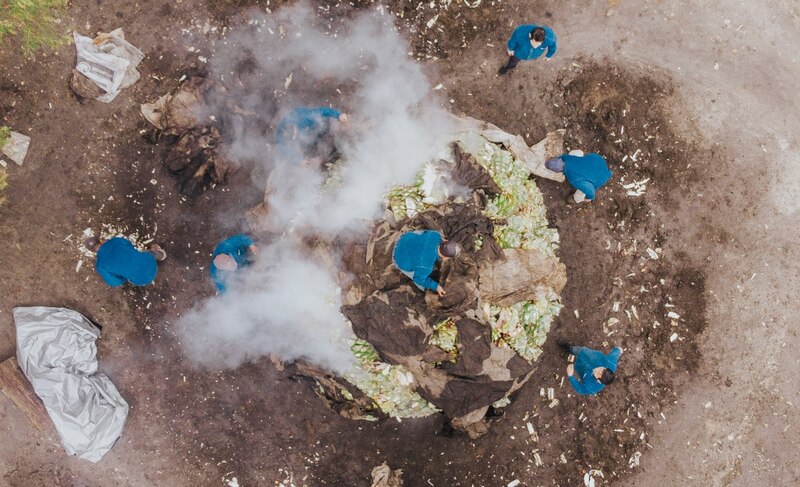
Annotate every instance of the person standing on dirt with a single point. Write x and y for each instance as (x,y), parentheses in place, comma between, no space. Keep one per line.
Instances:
(592,370)
(529,42)
(416,254)
(584,172)
(118,261)
(303,130)
(229,256)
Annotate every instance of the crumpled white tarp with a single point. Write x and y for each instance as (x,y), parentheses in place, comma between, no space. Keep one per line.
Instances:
(109,61)
(57,353)
(533,157)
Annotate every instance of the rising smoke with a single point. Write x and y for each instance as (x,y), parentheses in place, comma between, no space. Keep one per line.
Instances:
(287,303)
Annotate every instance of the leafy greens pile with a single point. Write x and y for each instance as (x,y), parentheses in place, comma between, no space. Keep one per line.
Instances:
(520,223)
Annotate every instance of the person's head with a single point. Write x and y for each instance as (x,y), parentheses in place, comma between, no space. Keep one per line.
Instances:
(343,117)
(449,249)
(92,243)
(537,37)
(555,164)
(225,262)
(605,376)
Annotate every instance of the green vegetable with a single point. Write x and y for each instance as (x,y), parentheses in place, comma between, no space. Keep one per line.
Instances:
(520,204)
(390,386)
(501,403)
(520,222)
(524,326)
(445,336)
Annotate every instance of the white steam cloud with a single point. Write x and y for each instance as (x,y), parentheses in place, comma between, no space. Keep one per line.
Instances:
(287,303)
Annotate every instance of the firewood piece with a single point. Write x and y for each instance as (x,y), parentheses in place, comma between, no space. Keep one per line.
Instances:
(16,386)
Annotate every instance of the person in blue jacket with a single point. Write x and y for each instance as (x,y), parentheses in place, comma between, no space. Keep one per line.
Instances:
(118,261)
(229,256)
(592,370)
(416,254)
(300,132)
(584,172)
(529,42)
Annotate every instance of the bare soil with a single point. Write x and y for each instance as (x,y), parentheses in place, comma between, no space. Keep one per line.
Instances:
(89,164)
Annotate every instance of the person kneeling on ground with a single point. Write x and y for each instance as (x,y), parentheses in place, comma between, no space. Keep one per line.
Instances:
(584,172)
(529,42)
(592,370)
(302,134)
(118,261)
(229,256)
(416,254)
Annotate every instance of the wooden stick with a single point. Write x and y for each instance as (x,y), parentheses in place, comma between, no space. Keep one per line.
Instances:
(16,386)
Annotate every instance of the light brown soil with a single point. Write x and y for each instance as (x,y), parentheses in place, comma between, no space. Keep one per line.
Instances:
(190,427)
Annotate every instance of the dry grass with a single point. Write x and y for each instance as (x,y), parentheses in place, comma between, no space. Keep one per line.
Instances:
(34,21)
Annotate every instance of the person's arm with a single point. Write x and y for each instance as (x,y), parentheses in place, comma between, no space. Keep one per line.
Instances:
(219,282)
(551,48)
(112,280)
(422,277)
(328,112)
(231,244)
(613,357)
(587,188)
(512,41)
(585,388)
(280,132)
(242,240)
(237,242)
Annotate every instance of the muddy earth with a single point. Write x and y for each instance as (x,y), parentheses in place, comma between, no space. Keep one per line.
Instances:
(647,262)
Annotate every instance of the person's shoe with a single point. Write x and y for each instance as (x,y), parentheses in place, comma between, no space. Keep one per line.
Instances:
(159,253)
(503,70)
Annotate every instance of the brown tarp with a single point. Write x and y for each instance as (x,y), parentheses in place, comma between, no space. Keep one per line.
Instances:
(397,318)
(519,276)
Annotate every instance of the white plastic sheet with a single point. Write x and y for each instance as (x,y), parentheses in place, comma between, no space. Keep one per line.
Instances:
(109,61)
(57,353)
(533,157)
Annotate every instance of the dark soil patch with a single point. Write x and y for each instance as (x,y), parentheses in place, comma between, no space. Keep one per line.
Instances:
(604,246)
(256,423)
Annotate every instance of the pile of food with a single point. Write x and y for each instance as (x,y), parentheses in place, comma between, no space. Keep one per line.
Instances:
(519,220)
(390,386)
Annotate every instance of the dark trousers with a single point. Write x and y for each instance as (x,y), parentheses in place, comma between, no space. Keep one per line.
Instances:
(512,62)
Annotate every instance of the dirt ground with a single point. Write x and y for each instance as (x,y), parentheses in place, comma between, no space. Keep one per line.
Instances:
(704,94)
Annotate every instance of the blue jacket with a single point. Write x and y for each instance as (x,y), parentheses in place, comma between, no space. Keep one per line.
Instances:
(520,42)
(237,247)
(119,262)
(416,254)
(306,120)
(586,360)
(586,173)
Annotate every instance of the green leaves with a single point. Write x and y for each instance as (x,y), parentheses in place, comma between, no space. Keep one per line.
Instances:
(5,134)
(523,326)
(33,21)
